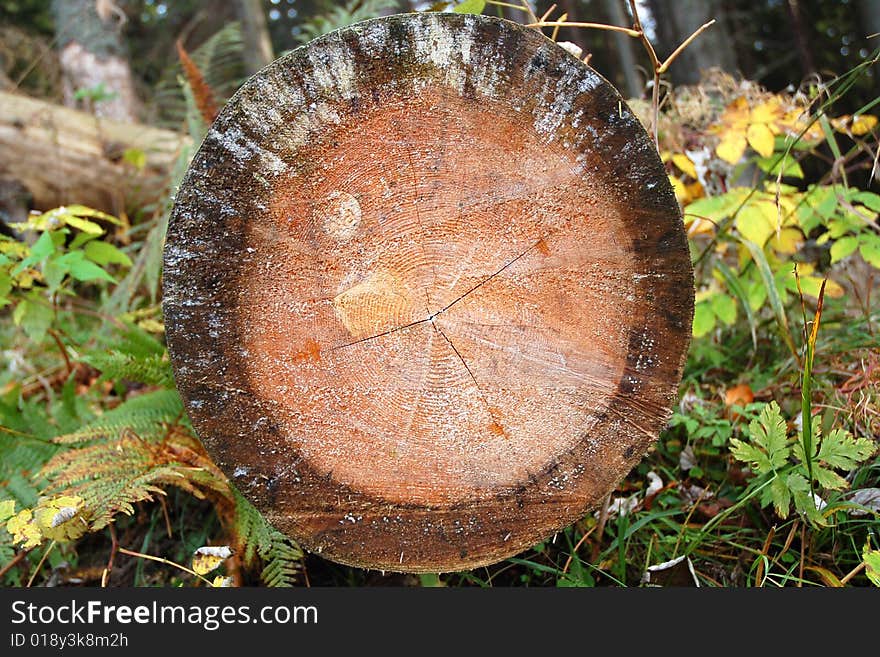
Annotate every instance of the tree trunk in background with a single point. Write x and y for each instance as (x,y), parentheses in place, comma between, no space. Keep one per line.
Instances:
(869,14)
(676,21)
(801,37)
(624,46)
(92,54)
(255,33)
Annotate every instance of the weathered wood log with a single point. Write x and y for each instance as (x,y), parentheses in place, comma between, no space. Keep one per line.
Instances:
(427,291)
(66,156)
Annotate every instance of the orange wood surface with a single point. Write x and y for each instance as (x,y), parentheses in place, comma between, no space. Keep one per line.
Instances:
(427,291)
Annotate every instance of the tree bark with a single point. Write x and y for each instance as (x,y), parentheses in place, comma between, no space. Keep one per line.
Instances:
(93,58)
(255,33)
(66,156)
(427,292)
(676,21)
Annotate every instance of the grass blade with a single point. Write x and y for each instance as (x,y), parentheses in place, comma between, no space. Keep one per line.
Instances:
(733,285)
(772,294)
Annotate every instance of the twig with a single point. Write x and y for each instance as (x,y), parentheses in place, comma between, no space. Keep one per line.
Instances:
(40,565)
(855,571)
(576,548)
(603,518)
(801,572)
(167,562)
(62,349)
(14,562)
(549,11)
(684,44)
(114,547)
(596,26)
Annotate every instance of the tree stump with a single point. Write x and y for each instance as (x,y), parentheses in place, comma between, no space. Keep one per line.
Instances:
(427,291)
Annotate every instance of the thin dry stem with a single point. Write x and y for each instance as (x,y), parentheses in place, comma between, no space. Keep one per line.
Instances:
(549,11)
(167,562)
(596,26)
(684,44)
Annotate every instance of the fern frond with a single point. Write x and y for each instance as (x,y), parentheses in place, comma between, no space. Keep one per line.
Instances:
(24,446)
(255,538)
(153,370)
(202,92)
(146,415)
(283,562)
(112,476)
(343,15)
(221,63)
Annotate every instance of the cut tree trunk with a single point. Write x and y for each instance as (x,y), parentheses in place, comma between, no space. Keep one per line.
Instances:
(427,291)
(66,156)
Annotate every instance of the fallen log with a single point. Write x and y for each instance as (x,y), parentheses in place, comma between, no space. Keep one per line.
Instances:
(427,291)
(61,155)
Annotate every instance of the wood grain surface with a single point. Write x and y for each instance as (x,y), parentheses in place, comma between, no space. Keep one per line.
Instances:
(427,291)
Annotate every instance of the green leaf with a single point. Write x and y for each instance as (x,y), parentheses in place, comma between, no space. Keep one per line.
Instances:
(82,269)
(104,254)
(869,199)
(872,565)
(843,248)
(829,479)
(716,208)
(704,319)
(869,247)
(42,249)
(757,221)
(470,7)
(773,165)
(750,454)
(840,450)
(34,318)
(768,448)
(5,288)
(781,496)
(797,483)
(724,308)
(136,157)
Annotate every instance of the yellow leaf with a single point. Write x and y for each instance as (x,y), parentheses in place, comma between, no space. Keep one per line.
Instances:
(151,326)
(684,164)
(736,115)
(812,284)
(7,510)
(756,222)
(788,240)
(858,125)
(863,124)
(732,146)
(209,557)
(23,530)
(833,290)
(222,582)
(59,518)
(767,112)
(697,226)
(760,138)
(679,188)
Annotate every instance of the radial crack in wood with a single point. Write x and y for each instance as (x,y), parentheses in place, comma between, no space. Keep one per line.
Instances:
(427,291)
